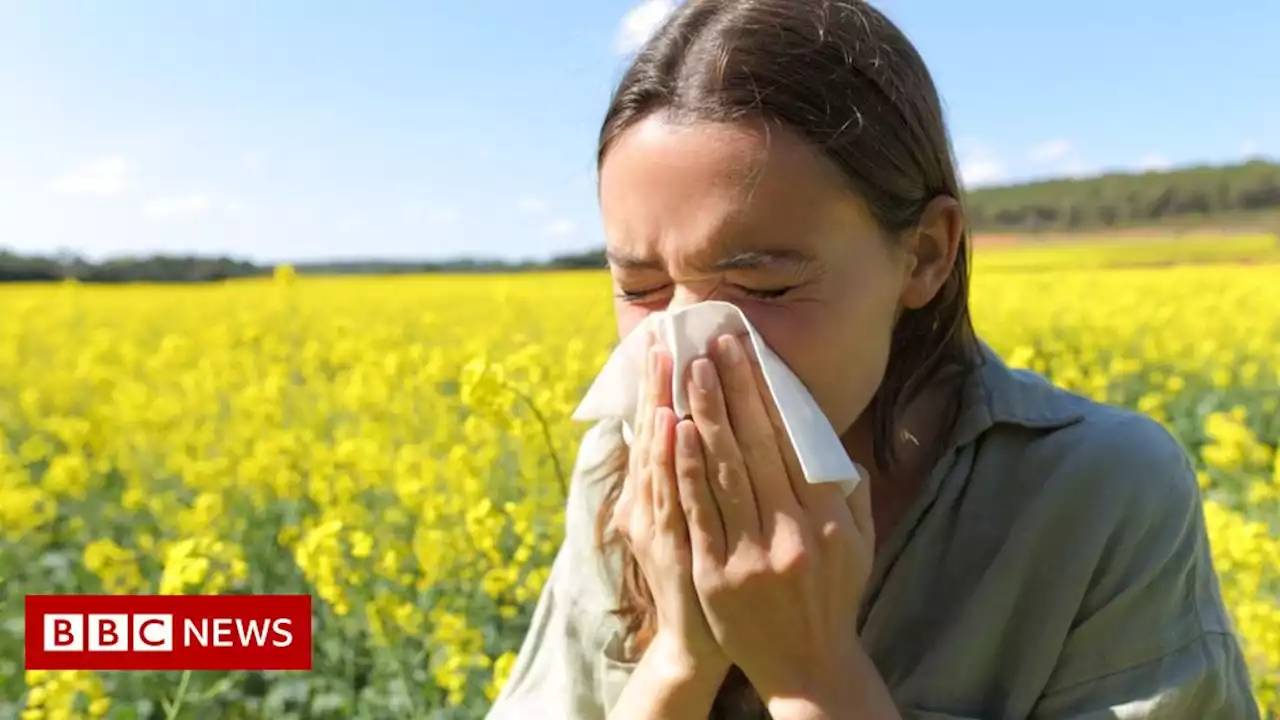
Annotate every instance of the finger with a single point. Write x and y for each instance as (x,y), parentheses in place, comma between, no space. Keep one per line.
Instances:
(644,411)
(659,445)
(810,496)
(657,389)
(660,387)
(662,467)
(702,516)
(766,471)
(640,510)
(729,483)
(790,460)
(643,395)
(638,489)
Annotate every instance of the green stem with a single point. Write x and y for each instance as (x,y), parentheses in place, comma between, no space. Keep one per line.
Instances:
(546,436)
(172,711)
(561,479)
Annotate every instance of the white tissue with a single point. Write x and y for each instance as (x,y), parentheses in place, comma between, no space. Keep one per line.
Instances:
(615,393)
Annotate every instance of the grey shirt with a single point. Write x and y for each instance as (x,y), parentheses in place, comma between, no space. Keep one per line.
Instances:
(1055,566)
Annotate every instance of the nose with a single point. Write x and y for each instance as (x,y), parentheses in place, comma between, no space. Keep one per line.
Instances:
(683,296)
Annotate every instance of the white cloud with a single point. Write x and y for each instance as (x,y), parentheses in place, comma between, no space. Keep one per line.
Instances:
(982,171)
(174,206)
(560,228)
(1059,158)
(103,176)
(1153,161)
(1250,148)
(979,165)
(531,205)
(641,22)
(1051,152)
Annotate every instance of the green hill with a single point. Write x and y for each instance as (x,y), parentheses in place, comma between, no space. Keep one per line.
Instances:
(1204,194)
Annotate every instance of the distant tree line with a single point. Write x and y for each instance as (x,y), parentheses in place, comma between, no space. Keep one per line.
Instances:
(1200,194)
(196,269)
(1248,192)
(156,268)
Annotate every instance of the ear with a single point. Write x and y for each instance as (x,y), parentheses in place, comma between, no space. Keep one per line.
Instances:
(931,251)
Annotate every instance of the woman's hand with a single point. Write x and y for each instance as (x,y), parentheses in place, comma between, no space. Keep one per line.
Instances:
(682,666)
(779,564)
(648,514)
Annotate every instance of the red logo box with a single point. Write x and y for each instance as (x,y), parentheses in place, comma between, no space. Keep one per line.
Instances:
(168,632)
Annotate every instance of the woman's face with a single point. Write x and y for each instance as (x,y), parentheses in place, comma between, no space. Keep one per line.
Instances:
(735,213)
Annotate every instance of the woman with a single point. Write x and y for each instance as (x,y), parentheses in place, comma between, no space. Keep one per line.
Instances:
(1017,552)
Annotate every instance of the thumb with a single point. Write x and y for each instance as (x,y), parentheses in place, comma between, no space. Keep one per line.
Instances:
(859,502)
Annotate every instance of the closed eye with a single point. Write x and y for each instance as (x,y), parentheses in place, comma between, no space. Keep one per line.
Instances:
(767,293)
(637,295)
(757,293)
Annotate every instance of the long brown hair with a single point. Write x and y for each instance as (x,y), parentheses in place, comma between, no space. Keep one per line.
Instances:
(846,79)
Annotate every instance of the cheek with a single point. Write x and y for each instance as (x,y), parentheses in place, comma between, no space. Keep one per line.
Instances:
(838,350)
(628,316)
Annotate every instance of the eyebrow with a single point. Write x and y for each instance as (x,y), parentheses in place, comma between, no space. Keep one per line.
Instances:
(743,260)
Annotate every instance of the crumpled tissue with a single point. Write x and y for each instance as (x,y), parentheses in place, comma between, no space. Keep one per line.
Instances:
(686,332)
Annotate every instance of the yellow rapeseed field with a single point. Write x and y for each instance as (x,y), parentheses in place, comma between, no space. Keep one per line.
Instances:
(399,448)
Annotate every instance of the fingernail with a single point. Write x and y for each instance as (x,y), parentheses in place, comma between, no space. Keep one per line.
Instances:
(729,349)
(704,375)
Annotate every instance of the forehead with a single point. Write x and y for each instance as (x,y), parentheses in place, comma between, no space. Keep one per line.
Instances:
(706,192)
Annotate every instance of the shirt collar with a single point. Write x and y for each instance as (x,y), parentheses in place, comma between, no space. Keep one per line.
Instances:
(997,394)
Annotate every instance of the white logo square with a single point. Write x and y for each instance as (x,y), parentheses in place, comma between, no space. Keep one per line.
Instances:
(63,632)
(108,632)
(152,632)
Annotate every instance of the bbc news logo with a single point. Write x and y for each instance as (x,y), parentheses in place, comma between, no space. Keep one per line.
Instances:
(168,632)
(143,632)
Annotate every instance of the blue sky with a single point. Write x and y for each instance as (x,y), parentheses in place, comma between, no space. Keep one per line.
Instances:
(291,130)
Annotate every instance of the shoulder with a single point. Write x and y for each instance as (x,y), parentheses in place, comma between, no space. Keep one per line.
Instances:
(1108,492)
(1121,505)
(1110,461)
(1129,504)
(1124,457)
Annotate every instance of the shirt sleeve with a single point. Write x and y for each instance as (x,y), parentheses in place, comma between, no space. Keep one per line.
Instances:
(561,670)
(1152,639)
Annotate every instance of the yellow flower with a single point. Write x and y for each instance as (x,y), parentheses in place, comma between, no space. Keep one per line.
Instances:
(501,671)
(399,448)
